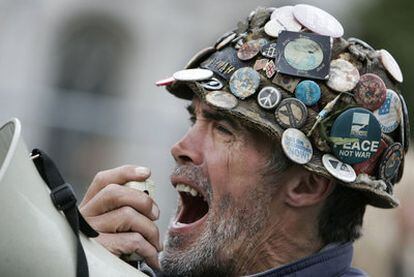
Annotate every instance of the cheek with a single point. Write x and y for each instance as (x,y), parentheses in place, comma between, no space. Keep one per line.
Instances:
(235,169)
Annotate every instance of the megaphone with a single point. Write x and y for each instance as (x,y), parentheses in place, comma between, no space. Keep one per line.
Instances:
(35,238)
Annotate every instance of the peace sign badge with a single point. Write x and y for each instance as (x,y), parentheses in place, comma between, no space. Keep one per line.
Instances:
(291,113)
(269,97)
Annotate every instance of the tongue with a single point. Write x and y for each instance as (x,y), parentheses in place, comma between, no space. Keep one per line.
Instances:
(194,208)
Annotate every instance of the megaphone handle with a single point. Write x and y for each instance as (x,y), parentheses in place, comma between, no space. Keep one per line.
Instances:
(148,187)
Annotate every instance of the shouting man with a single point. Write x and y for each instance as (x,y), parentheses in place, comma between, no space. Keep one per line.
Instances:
(294,131)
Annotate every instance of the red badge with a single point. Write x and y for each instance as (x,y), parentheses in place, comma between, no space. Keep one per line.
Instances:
(270,69)
(370,165)
(370,91)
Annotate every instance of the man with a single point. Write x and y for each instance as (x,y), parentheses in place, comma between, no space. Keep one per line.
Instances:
(294,131)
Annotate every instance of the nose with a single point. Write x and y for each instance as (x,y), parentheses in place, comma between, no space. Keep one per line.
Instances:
(189,148)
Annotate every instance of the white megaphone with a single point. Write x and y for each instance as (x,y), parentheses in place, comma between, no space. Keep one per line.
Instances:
(35,238)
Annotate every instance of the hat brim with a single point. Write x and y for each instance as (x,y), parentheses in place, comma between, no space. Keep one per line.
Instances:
(251,114)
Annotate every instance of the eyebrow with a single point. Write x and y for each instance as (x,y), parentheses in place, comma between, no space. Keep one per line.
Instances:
(216,116)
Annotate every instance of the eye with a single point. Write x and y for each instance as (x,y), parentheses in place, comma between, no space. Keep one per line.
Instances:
(223,129)
(192,119)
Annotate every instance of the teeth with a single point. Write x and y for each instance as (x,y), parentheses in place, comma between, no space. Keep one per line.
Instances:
(185,188)
(193,192)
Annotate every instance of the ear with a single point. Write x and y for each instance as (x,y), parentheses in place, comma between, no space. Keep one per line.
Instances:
(306,188)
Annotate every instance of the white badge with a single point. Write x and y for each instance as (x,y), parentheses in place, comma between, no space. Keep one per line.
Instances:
(338,169)
(221,99)
(297,146)
(195,74)
(391,65)
(318,21)
(343,76)
(389,114)
(282,19)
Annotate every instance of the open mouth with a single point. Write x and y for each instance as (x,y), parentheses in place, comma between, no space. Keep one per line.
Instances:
(194,207)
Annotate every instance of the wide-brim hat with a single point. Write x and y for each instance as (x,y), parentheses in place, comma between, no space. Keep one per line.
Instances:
(223,60)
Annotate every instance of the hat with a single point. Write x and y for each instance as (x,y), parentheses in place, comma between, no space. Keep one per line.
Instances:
(333,103)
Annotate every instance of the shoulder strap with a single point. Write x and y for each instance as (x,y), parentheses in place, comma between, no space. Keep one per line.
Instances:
(64,199)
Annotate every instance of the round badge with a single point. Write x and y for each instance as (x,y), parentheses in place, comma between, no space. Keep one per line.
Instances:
(285,15)
(249,50)
(269,50)
(297,146)
(356,135)
(195,74)
(244,82)
(338,169)
(391,161)
(405,123)
(389,114)
(371,91)
(282,19)
(212,84)
(318,21)
(221,99)
(225,40)
(303,54)
(361,42)
(369,166)
(291,113)
(269,97)
(199,57)
(343,76)
(391,65)
(308,92)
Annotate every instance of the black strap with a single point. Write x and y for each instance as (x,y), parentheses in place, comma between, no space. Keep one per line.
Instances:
(64,199)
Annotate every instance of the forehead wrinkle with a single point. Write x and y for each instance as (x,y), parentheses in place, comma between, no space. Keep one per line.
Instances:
(213,114)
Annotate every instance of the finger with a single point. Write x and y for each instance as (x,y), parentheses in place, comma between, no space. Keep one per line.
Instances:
(128,243)
(126,219)
(115,196)
(119,175)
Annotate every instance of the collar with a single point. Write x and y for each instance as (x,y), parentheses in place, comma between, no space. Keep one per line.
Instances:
(331,261)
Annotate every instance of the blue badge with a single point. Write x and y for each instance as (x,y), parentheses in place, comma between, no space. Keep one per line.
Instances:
(355,135)
(389,114)
(308,92)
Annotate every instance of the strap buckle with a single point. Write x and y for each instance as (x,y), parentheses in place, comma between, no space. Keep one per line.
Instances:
(63,197)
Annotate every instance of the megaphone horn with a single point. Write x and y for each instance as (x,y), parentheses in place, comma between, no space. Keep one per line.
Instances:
(35,238)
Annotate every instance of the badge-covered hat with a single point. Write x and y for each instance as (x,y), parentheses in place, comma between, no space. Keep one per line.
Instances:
(333,103)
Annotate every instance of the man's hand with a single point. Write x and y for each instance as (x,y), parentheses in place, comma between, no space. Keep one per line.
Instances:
(123,216)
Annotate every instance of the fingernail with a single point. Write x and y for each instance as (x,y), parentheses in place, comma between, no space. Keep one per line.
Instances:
(142,170)
(155,211)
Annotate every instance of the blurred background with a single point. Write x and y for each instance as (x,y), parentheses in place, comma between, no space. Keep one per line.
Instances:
(80,76)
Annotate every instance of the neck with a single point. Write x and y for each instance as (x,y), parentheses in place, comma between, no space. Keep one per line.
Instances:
(285,240)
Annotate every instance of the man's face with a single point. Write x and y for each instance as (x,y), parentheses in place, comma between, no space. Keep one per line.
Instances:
(224,201)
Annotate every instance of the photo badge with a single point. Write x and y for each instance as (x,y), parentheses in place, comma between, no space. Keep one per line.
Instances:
(304,55)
